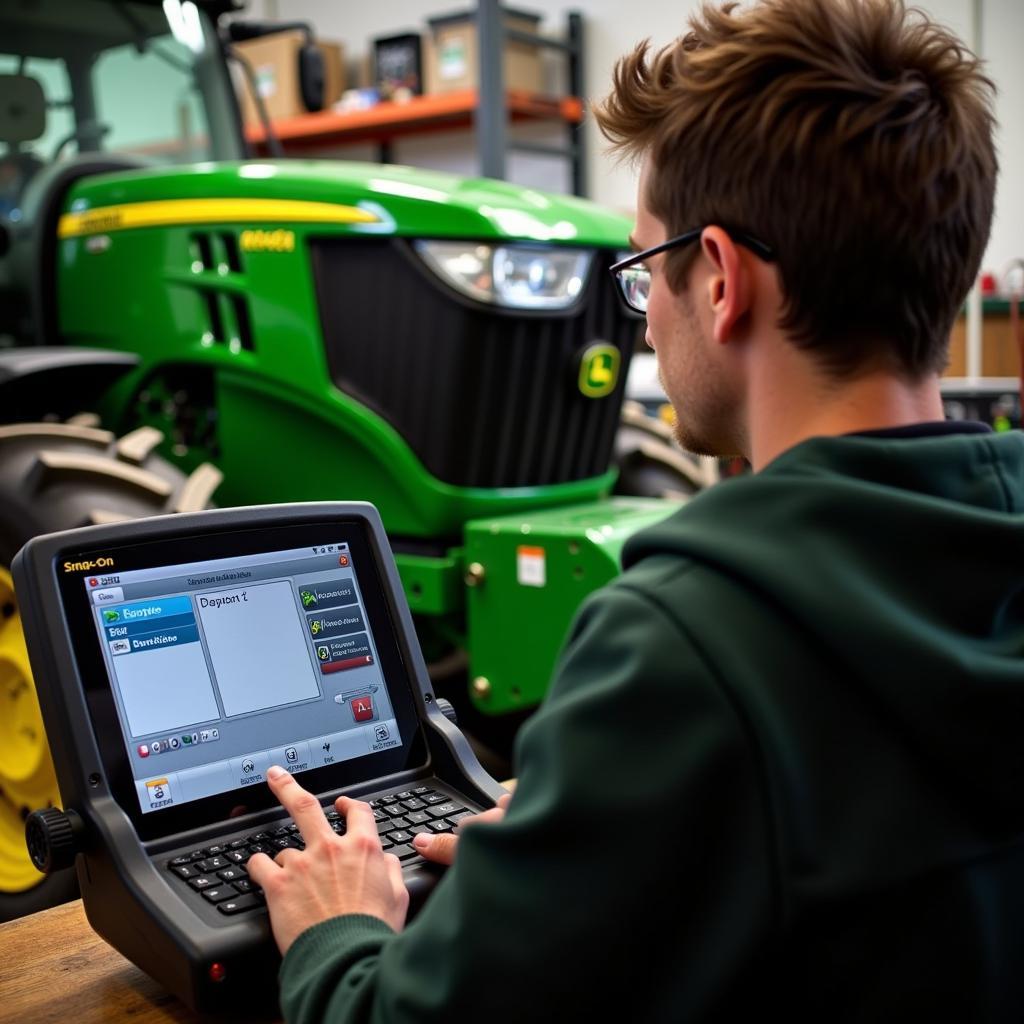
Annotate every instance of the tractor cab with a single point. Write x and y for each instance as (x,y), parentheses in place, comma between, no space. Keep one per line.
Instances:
(88,87)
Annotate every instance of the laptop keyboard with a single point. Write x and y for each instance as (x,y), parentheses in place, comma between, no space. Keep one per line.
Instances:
(217,873)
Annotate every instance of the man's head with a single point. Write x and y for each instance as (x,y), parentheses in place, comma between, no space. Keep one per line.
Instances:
(854,137)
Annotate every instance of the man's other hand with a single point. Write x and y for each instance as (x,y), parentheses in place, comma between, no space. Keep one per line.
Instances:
(441,848)
(334,875)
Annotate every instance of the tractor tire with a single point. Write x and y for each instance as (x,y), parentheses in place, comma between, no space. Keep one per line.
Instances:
(651,463)
(56,476)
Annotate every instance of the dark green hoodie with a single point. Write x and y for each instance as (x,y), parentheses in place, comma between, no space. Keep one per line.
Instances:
(780,771)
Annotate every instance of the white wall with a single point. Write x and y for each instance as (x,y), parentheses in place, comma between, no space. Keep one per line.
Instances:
(612,27)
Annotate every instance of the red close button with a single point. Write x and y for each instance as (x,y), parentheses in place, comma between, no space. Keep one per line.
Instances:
(362,708)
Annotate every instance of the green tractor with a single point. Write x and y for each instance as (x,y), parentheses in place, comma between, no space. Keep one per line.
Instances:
(180,325)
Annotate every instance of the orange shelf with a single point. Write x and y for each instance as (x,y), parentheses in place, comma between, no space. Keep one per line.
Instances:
(421,114)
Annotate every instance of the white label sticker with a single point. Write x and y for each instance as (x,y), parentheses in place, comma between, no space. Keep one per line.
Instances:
(530,567)
(452,62)
(266,80)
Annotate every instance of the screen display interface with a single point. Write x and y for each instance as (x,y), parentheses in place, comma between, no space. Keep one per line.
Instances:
(221,668)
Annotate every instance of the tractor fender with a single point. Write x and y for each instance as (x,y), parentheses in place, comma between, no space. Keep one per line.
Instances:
(57,382)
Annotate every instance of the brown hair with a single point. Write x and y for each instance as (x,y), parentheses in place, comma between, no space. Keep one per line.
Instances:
(853,136)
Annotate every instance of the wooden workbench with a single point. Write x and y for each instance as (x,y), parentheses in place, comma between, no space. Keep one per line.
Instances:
(54,969)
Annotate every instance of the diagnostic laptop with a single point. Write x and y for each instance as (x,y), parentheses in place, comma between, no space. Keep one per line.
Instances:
(176,659)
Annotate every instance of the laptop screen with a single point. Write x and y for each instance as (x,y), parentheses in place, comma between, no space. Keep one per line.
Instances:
(223,667)
(224,654)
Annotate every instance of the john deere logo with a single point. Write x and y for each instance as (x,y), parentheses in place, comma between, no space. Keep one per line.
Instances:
(599,370)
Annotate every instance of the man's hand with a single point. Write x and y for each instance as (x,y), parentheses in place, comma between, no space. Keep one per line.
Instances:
(334,875)
(441,848)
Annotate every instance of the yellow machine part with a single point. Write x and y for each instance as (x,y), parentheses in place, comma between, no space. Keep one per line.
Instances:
(27,779)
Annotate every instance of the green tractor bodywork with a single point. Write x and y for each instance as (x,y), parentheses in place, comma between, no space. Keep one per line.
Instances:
(229,292)
(217,276)
(315,329)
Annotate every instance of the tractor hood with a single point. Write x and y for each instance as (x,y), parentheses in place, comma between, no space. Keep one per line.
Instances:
(384,199)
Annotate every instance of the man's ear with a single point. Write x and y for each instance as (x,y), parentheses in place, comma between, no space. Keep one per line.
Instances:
(730,286)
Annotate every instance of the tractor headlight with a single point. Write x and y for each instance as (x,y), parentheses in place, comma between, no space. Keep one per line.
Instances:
(515,276)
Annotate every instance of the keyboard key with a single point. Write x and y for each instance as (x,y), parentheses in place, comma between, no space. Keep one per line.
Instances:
(283,844)
(400,836)
(240,904)
(439,826)
(406,795)
(231,874)
(422,830)
(454,819)
(417,817)
(259,848)
(212,851)
(197,855)
(421,790)
(238,844)
(202,882)
(434,798)
(243,885)
(237,856)
(185,871)
(211,864)
(175,862)
(219,893)
(404,853)
(413,804)
(443,810)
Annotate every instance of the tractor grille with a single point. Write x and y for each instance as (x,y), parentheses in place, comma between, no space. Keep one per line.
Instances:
(484,398)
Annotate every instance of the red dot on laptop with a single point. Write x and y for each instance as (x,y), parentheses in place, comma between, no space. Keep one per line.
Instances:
(343,560)
(94,582)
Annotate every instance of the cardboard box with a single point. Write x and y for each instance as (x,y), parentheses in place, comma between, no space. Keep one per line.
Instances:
(275,64)
(452,55)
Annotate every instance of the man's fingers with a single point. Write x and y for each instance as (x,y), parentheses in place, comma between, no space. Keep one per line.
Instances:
(359,819)
(440,848)
(261,869)
(303,807)
(394,873)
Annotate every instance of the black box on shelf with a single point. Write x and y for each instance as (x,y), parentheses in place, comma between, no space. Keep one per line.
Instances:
(398,65)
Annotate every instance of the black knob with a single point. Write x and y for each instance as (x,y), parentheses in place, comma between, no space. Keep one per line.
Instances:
(447,709)
(51,838)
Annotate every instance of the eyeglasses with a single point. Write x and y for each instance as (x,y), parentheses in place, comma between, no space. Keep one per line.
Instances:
(634,279)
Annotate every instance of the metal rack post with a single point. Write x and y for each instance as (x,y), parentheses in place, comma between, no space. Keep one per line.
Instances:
(492,116)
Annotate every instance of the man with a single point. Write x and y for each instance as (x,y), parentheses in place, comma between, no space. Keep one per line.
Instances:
(780,767)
